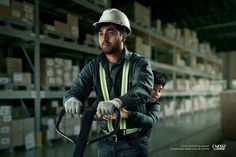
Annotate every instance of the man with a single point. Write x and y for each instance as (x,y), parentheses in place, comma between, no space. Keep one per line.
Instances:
(121,79)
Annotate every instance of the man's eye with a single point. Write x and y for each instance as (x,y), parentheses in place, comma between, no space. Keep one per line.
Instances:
(111,32)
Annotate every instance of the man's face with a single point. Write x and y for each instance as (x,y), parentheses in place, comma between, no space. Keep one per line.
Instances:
(156,93)
(110,39)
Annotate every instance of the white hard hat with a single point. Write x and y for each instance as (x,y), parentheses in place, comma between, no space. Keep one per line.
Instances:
(114,16)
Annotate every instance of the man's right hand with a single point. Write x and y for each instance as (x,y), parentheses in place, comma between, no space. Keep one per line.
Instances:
(73,106)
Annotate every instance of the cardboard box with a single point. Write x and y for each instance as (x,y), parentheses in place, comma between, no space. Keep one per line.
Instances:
(157,25)
(138,46)
(11,65)
(5,119)
(17,134)
(28,125)
(16,10)
(137,13)
(59,63)
(28,12)
(48,27)
(5,110)
(228,116)
(5,142)
(22,78)
(4,11)
(28,7)
(5,129)
(61,27)
(72,20)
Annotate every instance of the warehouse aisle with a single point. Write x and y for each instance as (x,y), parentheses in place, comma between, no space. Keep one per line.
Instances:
(201,128)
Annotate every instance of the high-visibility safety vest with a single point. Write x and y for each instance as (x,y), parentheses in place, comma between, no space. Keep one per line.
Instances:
(124,89)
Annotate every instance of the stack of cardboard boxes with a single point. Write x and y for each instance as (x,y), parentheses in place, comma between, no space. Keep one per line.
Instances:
(15,10)
(70,28)
(13,68)
(139,46)
(15,132)
(57,72)
(137,12)
(5,127)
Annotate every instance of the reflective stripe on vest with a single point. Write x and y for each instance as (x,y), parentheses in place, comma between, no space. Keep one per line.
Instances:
(124,89)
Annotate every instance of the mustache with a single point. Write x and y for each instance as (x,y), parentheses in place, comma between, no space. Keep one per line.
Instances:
(105,42)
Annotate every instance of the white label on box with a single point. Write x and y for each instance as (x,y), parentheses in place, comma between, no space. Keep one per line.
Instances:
(29,16)
(5,2)
(5,140)
(5,112)
(29,140)
(28,8)
(16,13)
(50,62)
(52,80)
(50,72)
(59,80)
(4,80)
(5,129)
(59,72)
(7,118)
(18,77)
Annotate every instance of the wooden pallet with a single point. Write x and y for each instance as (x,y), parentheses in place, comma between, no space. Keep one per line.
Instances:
(22,86)
(5,86)
(15,24)
(60,36)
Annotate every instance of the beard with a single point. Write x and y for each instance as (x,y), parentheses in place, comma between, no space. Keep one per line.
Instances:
(108,48)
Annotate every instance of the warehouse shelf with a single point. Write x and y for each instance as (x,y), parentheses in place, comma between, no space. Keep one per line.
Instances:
(182,70)
(59,94)
(89,5)
(26,35)
(69,45)
(172,43)
(49,41)
(17,95)
(188,93)
(32,94)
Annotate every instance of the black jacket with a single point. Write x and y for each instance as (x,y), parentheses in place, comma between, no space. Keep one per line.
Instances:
(140,81)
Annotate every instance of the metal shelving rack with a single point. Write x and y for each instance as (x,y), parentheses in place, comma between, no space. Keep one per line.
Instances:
(39,39)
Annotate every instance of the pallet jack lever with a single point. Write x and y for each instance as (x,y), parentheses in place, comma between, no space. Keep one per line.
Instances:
(82,140)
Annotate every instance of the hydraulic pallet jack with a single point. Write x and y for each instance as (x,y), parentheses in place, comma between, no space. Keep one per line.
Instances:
(82,140)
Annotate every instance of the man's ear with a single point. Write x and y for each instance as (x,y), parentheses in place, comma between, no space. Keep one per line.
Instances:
(124,36)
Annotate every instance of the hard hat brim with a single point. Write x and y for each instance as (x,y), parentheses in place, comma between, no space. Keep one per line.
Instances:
(96,24)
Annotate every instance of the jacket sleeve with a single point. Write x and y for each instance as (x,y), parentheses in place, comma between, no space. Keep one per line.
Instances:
(141,84)
(82,85)
(142,120)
